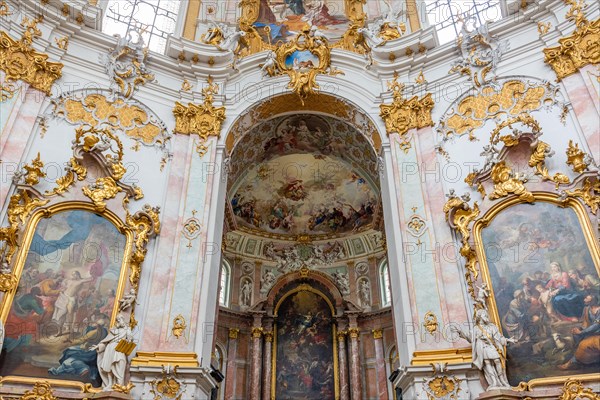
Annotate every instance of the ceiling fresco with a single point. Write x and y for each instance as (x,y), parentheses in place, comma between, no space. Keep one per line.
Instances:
(304,174)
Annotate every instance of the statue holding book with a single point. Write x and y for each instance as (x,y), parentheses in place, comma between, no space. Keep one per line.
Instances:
(112,354)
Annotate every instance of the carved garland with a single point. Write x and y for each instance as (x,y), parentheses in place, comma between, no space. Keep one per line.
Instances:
(20,61)
(405,114)
(578,49)
(574,390)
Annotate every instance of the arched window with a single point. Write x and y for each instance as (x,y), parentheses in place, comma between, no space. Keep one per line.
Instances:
(384,284)
(157,18)
(224,284)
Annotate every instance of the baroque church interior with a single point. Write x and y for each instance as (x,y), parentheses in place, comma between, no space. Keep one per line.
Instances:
(299,199)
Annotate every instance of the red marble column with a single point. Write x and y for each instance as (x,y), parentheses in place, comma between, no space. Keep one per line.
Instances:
(382,391)
(231,363)
(355,378)
(256,363)
(267,370)
(343,365)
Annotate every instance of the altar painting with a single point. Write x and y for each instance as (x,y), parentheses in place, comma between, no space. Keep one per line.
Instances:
(65,298)
(286,18)
(304,367)
(546,285)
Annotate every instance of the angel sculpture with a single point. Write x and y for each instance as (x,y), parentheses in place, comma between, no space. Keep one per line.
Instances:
(269,67)
(127,301)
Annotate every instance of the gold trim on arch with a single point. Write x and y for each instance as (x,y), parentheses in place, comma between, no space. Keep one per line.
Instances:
(304,287)
(588,233)
(19,265)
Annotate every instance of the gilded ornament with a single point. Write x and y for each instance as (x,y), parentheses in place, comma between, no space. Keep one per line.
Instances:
(543,27)
(377,333)
(574,390)
(62,43)
(268,336)
(416,225)
(203,119)
(580,48)
(589,193)
(257,332)
(233,333)
(430,322)
(576,158)
(8,281)
(354,333)
(341,335)
(538,160)
(420,80)
(303,75)
(64,182)
(405,114)
(186,86)
(7,91)
(4,10)
(34,171)
(40,391)
(103,189)
(125,389)
(20,61)
(179,326)
(145,224)
(168,387)
(508,182)
(442,387)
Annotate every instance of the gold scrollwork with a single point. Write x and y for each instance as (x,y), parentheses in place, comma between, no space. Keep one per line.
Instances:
(125,389)
(573,390)
(145,224)
(430,322)
(538,160)
(203,120)
(404,114)
(442,387)
(40,391)
(168,387)
(303,76)
(576,158)
(21,62)
(508,182)
(103,189)
(579,48)
(589,192)
(179,326)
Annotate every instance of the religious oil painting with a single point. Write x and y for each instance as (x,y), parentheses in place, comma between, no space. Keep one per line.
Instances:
(301,60)
(546,285)
(65,298)
(286,18)
(304,366)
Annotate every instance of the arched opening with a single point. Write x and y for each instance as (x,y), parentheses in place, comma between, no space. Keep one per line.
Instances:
(305,235)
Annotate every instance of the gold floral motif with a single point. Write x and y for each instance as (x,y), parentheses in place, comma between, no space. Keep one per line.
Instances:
(186,86)
(430,322)
(20,61)
(4,10)
(576,158)
(580,48)
(64,182)
(538,160)
(168,386)
(125,389)
(34,171)
(589,193)
(103,189)
(179,326)
(574,390)
(62,43)
(233,333)
(416,224)
(203,120)
(443,387)
(543,27)
(8,282)
(40,391)
(508,182)
(404,114)
(303,78)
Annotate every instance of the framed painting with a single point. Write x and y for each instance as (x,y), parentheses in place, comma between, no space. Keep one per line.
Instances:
(304,347)
(72,273)
(542,264)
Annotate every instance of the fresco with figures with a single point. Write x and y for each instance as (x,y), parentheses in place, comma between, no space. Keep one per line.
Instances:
(304,366)
(286,18)
(289,191)
(65,298)
(546,286)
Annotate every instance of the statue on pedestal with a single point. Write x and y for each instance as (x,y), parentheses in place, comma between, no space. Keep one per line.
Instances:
(112,361)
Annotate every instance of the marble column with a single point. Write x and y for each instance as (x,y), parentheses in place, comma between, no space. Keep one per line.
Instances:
(256,364)
(355,368)
(267,365)
(230,368)
(343,364)
(382,391)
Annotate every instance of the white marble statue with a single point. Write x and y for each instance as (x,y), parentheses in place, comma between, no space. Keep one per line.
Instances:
(370,35)
(269,67)
(364,293)
(267,280)
(112,364)
(342,282)
(246,293)
(231,41)
(488,350)
(127,301)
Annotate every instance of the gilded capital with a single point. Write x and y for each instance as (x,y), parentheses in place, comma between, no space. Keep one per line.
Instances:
(354,333)
(341,335)
(257,332)
(268,336)
(377,333)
